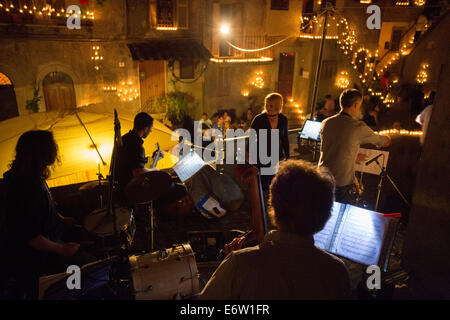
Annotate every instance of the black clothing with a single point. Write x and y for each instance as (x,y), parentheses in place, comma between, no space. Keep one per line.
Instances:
(320,117)
(129,157)
(261,121)
(370,121)
(29,212)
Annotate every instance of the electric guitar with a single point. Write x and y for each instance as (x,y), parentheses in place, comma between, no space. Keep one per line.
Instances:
(157,155)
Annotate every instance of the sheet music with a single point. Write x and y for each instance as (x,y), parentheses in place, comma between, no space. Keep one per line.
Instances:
(360,236)
(323,238)
(372,168)
(188,166)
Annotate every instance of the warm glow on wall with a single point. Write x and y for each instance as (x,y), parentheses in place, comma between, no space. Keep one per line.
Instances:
(126,92)
(259,81)
(342,80)
(422,76)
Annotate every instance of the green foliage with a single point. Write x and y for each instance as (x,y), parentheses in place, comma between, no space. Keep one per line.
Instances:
(177,105)
(33,104)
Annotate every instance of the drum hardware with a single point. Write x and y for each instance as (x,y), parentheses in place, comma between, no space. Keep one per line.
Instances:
(100,224)
(143,190)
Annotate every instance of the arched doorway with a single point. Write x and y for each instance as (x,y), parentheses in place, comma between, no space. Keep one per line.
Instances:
(59,92)
(8,102)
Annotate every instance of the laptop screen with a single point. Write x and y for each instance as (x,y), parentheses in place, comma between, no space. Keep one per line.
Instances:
(311,130)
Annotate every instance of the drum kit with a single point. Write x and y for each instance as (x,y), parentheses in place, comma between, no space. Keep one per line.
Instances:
(153,275)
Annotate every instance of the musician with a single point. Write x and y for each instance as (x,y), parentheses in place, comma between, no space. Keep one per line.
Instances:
(131,156)
(34,227)
(272,118)
(286,265)
(341,137)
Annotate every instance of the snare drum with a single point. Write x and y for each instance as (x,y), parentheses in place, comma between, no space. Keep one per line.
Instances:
(165,275)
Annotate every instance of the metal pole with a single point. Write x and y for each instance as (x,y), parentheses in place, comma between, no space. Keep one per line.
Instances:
(319,63)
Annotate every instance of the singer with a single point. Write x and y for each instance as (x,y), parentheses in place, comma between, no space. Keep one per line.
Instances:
(341,137)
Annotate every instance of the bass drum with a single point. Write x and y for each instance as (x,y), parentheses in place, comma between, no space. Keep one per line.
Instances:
(169,274)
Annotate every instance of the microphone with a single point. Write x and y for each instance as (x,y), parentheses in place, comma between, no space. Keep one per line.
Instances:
(374,159)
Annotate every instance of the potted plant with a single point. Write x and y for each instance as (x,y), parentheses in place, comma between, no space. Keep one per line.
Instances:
(33,104)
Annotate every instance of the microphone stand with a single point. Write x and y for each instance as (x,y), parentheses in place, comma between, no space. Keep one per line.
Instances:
(384,174)
(112,175)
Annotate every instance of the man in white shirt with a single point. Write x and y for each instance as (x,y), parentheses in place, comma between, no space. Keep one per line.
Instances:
(341,136)
(424,119)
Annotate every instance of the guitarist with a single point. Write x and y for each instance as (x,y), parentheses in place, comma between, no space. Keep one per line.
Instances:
(131,158)
(286,265)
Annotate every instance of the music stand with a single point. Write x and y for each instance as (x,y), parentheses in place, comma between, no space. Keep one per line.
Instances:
(384,174)
(311,132)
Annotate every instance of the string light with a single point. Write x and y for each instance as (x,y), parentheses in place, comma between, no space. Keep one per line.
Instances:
(399,132)
(262,59)
(167,28)
(48,10)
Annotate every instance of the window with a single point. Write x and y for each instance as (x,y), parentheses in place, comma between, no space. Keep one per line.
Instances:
(182,14)
(223,82)
(170,13)
(279,5)
(329,70)
(323,4)
(187,69)
(395,39)
(164,12)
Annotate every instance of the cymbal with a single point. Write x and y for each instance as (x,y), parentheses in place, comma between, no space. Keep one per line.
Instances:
(148,186)
(93,185)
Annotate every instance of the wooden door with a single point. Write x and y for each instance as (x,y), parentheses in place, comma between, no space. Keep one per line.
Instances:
(59,92)
(152,83)
(286,74)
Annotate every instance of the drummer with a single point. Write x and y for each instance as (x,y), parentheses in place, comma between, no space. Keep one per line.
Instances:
(34,228)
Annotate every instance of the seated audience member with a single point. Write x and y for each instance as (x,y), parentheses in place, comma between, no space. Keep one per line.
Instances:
(34,228)
(370,112)
(220,123)
(286,265)
(328,109)
(205,120)
(226,117)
